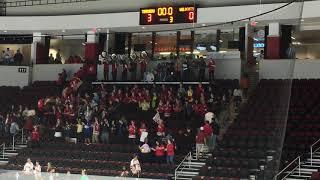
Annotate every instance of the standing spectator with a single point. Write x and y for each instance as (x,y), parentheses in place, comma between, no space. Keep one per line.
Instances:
(80,125)
(237,94)
(51,59)
(202,69)
(8,59)
(208,132)
(18,58)
(35,137)
(132,133)
(143,68)
(170,152)
(87,132)
(161,129)
(291,52)
(211,69)
(105,131)
(67,131)
(200,142)
(58,59)
(145,152)
(159,152)
(95,131)
(133,70)
(14,128)
(142,129)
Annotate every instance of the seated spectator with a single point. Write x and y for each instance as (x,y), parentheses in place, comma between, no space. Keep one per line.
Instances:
(28,167)
(135,166)
(124,172)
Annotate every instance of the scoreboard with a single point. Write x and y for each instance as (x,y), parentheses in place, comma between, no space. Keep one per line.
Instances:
(168,15)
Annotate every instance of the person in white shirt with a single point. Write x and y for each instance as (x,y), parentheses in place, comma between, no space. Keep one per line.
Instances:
(135,166)
(37,171)
(237,94)
(28,167)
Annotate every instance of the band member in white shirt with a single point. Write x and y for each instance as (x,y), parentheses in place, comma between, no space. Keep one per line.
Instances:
(135,166)
(28,167)
(37,171)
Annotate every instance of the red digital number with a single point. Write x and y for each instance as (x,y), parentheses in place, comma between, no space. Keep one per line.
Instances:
(149,18)
(191,16)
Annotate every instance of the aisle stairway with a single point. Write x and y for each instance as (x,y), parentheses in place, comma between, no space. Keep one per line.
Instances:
(306,169)
(191,166)
(12,149)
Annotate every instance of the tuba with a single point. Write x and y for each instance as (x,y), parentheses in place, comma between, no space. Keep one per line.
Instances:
(133,56)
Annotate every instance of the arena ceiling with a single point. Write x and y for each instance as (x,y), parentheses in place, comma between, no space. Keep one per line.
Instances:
(63,7)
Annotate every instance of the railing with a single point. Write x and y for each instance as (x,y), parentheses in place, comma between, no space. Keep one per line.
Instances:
(298,159)
(188,158)
(313,150)
(15,137)
(3,146)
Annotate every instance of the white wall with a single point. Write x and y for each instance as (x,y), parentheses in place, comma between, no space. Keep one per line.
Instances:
(9,76)
(131,19)
(228,68)
(49,72)
(284,69)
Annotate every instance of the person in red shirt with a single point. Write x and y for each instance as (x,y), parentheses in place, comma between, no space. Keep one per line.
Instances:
(199,90)
(203,109)
(170,152)
(196,107)
(132,133)
(208,132)
(159,152)
(161,129)
(177,107)
(200,142)
(167,110)
(41,104)
(126,99)
(119,96)
(211,69)
(160,108)
(35,137)
(143,128)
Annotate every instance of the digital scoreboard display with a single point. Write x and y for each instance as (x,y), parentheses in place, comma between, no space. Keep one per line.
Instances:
(168,15)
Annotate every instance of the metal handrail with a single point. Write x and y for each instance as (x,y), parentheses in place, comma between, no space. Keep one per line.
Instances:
(3,145)
(284,169)
(175,171)
(312,150)
(14,138)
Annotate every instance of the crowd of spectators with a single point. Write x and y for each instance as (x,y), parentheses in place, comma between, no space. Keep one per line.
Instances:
(8,57)
(73,59)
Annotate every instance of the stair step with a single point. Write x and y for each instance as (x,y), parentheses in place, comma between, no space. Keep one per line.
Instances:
(183,178)
(187,173)
(295,179)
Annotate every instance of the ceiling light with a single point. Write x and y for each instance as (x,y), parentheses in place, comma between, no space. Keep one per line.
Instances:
(203,24)
(5,31)
(63,30)
(83,44)
(99,29)
(220,41)
(302,20)
(293,38)
(143,27)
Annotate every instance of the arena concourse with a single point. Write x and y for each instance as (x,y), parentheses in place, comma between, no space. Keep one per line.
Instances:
(142,89)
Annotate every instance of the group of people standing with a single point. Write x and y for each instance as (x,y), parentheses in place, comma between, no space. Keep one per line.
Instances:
(8,57)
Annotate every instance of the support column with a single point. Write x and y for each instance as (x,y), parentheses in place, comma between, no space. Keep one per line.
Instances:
(153,44)
(38,52)
(273,42)
(178,44)
(218,38)
(91,48)
(249,44)
(91,55)
(285,41)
